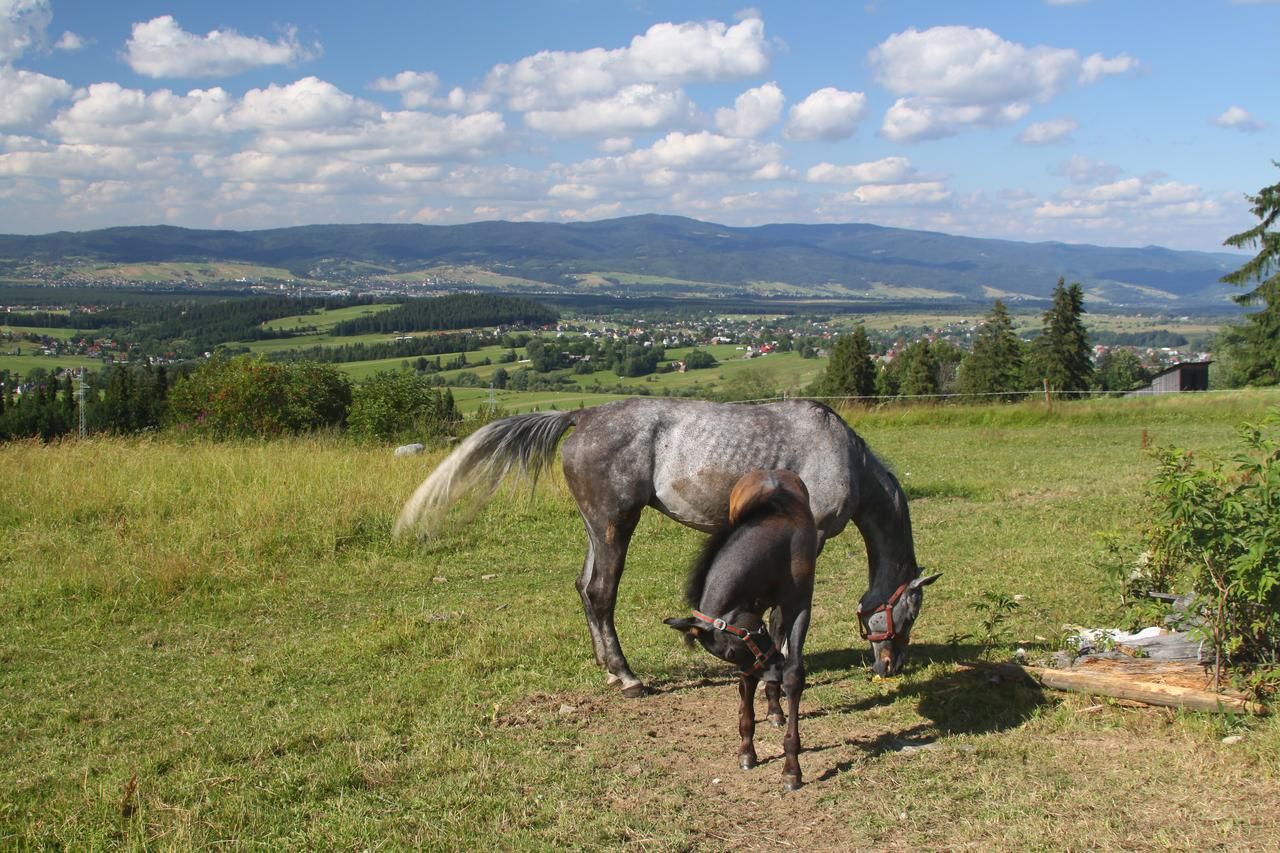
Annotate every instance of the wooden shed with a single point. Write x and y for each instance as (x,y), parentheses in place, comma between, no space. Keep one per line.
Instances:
(1188,376)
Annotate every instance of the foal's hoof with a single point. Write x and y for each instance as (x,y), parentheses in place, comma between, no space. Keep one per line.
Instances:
(779,720)
(635,691)
(747,762)
(791,783)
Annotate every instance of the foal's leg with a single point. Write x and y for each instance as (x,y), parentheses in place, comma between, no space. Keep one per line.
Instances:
(793,679)
(791,740)
(773,677)
(747,720)
(773,696)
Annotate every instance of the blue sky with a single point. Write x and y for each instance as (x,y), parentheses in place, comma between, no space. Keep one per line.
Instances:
(1115,122)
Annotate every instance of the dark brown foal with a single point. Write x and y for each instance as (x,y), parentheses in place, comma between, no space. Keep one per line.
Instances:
(763,559)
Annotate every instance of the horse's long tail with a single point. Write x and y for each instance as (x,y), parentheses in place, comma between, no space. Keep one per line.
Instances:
(479,464)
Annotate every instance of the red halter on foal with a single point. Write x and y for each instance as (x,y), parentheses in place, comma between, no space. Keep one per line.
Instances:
(763,658)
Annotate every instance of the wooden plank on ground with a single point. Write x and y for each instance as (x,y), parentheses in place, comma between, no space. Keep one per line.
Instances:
(1124,687)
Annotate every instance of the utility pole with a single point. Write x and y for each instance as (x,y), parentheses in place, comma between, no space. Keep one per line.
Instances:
(81,388)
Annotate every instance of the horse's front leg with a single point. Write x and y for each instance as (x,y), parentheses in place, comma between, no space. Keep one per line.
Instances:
(747,721)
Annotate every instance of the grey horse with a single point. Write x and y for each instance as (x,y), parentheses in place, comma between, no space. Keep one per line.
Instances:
(682,457)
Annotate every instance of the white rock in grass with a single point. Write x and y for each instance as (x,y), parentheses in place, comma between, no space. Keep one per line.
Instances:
(1230,739)
(409,449)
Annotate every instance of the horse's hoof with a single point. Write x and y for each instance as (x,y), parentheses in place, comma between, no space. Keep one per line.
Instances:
(747,762)
(791,783)
(635,691)
(779,720)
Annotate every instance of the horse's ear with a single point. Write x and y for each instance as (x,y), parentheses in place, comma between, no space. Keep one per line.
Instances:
(925,581)
(689,626)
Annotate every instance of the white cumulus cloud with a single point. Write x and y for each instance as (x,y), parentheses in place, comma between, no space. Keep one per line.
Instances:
(306,103)
(25,96)
(416,88)
(828,114)
(642,107)
(108,113)
(161,48)
(1238,118)
(888,170)
(1049,132)
(22,26)
(666,54)
(953,77)
(753,112)
(69,41)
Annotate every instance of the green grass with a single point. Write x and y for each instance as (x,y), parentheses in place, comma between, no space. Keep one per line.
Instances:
(23,364)
(57,333)
(233,625)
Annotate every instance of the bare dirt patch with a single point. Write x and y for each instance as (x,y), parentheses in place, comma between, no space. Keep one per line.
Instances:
(897,774)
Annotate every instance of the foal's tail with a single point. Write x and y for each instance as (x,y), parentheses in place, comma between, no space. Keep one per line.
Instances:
(758,487)
(478,465)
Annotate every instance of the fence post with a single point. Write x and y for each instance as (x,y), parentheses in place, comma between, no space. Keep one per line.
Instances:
(1048,400)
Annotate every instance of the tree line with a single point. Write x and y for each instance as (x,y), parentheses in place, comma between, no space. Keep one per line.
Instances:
(227,398)
(1001,365)
(459,311)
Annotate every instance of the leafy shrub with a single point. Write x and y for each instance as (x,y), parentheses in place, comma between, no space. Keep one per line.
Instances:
(394,405)
(1215,530)
(250,397)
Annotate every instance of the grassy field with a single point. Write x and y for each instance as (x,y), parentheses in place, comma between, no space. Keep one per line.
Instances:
(179,271)
(23,364)
(57,333)
(220,645)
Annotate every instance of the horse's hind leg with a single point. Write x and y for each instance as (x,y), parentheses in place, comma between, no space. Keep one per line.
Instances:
(598,587)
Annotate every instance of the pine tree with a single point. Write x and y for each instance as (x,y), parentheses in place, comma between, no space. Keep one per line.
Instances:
(1061,353)
(996,364)
(1256,344)
(919,375)
(850,371)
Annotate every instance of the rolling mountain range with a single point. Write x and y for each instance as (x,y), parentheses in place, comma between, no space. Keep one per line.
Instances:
(665,255)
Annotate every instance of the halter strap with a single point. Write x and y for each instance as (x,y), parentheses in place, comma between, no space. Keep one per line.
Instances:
(763,658)
(864,617)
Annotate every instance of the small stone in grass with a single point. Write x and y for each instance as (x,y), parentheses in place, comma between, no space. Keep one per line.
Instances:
(1230,739)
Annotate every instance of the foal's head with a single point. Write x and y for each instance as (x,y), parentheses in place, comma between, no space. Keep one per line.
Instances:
(750,653)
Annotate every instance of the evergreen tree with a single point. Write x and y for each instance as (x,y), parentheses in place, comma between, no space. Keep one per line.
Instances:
(1256,344)
(1061,353)
(850,370)
(1120,370)
(920,370)
(996,364)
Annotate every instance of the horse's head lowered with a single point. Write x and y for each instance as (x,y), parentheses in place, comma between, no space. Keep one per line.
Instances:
(888,625)
(751,648)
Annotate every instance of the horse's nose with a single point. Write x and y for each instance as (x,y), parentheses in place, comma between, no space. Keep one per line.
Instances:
(883,664)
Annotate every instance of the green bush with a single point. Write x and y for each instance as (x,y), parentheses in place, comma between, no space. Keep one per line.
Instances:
(401,405)
(250,397)
(1215,530)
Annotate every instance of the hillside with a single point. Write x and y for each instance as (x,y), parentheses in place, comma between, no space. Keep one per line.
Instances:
(659,255)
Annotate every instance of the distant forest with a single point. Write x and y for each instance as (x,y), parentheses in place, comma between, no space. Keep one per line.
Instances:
(462,311)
